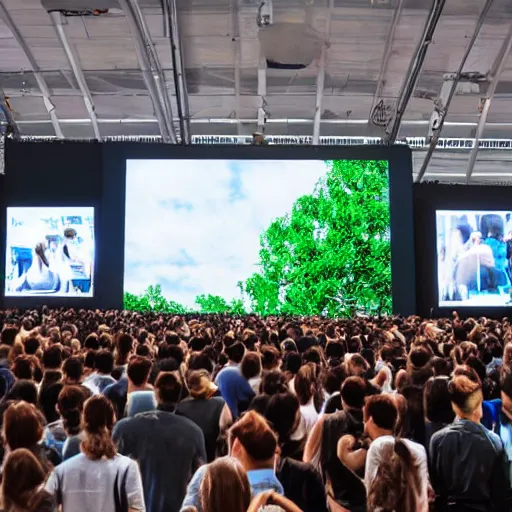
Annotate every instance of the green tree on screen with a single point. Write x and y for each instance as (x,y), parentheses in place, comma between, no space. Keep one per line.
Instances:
(331,253)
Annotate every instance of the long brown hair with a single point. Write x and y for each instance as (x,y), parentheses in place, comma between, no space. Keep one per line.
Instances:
(22,475)
(397,485)
(225,487)
(97,422)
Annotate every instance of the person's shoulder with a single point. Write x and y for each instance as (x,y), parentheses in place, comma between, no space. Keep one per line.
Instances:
(126,424)
(416,448)
(71,463)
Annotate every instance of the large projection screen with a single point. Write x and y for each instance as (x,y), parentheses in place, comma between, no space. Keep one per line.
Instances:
(294,237)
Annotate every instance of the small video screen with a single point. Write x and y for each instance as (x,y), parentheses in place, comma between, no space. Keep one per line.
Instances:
(50,251)
(474,252)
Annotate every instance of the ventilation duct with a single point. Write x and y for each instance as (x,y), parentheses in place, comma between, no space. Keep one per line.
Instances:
(290,45)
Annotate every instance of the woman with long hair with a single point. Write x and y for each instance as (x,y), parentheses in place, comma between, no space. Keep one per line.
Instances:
(22,484)
(397,485)
(98,478)
(225,487)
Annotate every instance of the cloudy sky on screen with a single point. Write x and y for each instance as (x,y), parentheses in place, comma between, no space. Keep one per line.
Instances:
(193,226)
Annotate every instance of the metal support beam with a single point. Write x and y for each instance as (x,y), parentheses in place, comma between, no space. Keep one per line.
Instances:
(150,67)
(74,62)
(320,78)
(262,92)
(388,47)
(5,112)
(237,61)
(443,102)
(497,70)
(41,82)
(414,70)
(178,67)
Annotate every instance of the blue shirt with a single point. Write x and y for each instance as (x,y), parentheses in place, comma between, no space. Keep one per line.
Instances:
(260,480)
(234,388)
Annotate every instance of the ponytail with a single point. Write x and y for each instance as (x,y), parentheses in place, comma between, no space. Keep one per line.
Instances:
(97,445)
(396,486)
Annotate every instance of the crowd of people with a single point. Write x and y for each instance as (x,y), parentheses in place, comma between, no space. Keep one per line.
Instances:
(126,412)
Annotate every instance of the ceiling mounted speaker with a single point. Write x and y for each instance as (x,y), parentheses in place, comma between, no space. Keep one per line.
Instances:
(290,45)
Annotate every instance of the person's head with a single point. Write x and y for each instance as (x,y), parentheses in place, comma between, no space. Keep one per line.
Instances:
(466,397)
(92,342)
(73,370)
(32,345)
(252,442)
(52,357)
(97,423)
(225,487)
(22,478)
(380,416)
(436,401)
(270,357)
(168,389)
(25,390)
(251,365)
(22,426)
(353,393)
(283,414)
(138,371)
(23,367)
(104,362)
(48,397)
(397,484)
(235,352)
(8,336)
(292,361)
(306,383)
(70,405)
(273,382)
(199,385)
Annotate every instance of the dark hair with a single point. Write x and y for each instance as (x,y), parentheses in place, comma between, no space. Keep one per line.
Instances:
(292,361)
(397,483)
(305,383)
(71,404)
(32,345)
(172,338)
(52,357)
(200,361)
(124,345)
(138,370)
(382,409)
(281,412)
(353,392)
(104,361)
(73,368)
(436,401)
(269,357)
(235,352)
(23,367)
(225,487)
(255,435)
(273,382)
(25,390)
(92,342)
(168,388)
(98,421)
(8,335)
(90,359)
(251,365)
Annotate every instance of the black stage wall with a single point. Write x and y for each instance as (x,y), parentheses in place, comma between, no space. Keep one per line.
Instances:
(400,172)
(94,174)
(429,197)
(59,174)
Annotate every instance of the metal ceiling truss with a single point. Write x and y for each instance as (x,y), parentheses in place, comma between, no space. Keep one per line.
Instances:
(388,47)
(6,113)
(237,61)
(151,70)
(74,62)
(41,82)
(447,93)
(494,78)
(320,78)
(414,70)
(180,83)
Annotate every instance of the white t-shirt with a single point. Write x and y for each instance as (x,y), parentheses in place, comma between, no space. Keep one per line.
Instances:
(419,455)
(309,414)
(91,485)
